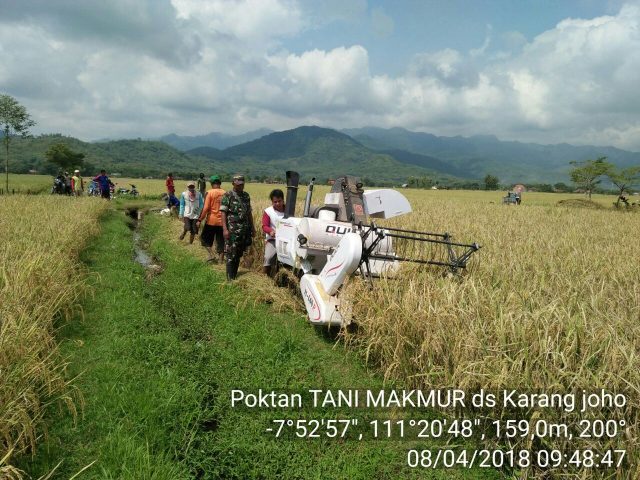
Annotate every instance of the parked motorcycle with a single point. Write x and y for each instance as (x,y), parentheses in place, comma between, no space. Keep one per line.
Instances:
(133,191)
(93,190)
(59,186)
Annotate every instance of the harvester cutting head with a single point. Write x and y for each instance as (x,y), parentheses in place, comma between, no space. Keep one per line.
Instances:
(329,243)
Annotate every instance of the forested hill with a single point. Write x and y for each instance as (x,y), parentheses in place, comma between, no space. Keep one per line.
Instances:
(383,156)
(135,158)
(317,152)
(312,151)
(485,154)
(214,139)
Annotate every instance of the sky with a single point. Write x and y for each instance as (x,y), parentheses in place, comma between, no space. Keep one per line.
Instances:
(543,71)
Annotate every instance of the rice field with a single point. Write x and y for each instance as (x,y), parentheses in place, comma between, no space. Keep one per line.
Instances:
(550,303)
(40,284)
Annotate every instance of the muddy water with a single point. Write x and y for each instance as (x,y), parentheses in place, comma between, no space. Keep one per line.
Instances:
(140,254)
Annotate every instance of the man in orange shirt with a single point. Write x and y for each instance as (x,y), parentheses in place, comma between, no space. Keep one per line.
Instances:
(212,230)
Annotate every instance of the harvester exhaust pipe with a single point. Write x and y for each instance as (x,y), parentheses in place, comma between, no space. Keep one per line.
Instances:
(293,179)
(307,200)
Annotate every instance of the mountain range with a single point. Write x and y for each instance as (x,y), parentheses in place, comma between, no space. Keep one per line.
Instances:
(213,139)
(381,155)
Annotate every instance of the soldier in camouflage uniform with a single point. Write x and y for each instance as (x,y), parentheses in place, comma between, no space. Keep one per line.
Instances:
(237,224)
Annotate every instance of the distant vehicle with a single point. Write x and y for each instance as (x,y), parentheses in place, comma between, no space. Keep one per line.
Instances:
(126,191)
(93,190)
(59,186)
(512,198)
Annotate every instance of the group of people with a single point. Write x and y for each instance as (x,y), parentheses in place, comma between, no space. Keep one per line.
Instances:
(65,184)
(227,218)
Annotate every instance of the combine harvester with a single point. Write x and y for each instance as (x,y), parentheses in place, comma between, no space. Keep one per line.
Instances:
(332,242)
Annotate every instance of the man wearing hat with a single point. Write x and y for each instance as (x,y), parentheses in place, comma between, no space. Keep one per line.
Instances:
(77,184)
(191,204)
(212,230)
(237,224)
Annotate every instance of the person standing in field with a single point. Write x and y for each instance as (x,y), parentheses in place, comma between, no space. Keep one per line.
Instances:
(202,185)
(212,230)
(68,189)
(77,184)
(191,204)
(237,225)
(104,183)
(270,218)
(171,190)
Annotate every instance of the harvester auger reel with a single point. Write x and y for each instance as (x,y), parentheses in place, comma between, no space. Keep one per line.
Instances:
(411,246)
(332,242)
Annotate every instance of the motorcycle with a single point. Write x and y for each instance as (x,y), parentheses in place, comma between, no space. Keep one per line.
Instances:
(126,191)
(93,190)
(59,186)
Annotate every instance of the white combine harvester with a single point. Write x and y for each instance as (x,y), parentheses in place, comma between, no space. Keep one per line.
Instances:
(329,243)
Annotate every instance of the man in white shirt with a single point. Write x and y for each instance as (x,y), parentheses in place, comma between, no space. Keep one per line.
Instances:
(270,219)
(191,204)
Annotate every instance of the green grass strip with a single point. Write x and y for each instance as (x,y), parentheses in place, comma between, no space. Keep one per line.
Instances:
(157,359)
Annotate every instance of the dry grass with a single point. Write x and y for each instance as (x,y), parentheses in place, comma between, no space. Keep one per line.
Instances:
(40,284)
(552,303)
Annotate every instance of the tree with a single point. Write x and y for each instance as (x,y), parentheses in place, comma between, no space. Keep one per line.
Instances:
(623,179)
(14,120)
(64,157)
(491,182)
(561,187)
(587,174)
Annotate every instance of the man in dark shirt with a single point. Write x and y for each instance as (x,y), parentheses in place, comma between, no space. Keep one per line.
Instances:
(202,185)
(104,183)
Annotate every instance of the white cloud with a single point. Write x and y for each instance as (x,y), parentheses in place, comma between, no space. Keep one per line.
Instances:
(194,67)
(247,20)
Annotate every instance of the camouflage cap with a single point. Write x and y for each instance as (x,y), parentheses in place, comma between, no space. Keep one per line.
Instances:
(238,178)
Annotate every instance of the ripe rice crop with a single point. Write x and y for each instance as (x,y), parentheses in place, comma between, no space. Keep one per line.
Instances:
(40,284)
(551,303)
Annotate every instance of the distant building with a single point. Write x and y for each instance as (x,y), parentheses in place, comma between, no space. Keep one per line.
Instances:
(33,172)
(405,185)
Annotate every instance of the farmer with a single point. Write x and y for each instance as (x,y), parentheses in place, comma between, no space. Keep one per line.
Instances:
(202,185)
(173,204)
(270,219)
(191,204)
(212,230)
(171,190)
(237,224)
(68,189)
(104,183)
(77,184)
